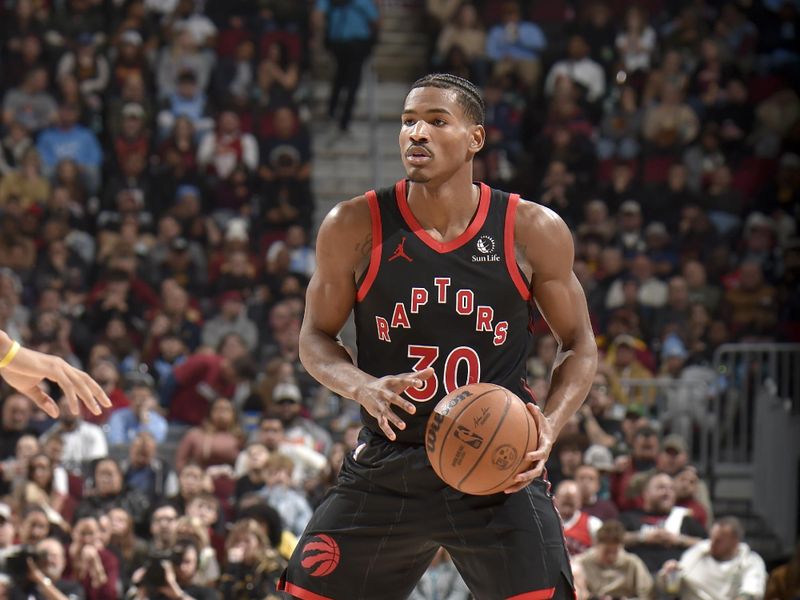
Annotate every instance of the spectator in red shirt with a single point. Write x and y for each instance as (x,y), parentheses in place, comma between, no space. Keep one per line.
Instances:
(90,563)
(202,378)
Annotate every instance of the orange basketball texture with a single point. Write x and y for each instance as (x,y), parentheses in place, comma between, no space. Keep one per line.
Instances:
(477,438)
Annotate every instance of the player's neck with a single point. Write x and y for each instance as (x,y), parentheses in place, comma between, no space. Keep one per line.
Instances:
(447,207)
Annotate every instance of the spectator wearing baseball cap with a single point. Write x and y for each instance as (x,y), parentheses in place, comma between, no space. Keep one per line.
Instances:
(287,404)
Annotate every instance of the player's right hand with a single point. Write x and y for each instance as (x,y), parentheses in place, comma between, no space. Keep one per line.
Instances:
(378,396)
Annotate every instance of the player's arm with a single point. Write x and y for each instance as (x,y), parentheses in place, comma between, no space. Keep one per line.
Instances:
(24,369)
(344,243)
(545,246)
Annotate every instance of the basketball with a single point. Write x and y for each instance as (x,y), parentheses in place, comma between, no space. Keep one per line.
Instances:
(477,438)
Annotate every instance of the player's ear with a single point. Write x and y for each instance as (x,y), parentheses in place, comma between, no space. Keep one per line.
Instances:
(477,139)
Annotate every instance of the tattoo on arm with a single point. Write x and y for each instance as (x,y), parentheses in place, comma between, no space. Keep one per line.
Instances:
(364,247)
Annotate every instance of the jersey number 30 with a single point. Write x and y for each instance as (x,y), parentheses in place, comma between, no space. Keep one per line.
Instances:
(461,361)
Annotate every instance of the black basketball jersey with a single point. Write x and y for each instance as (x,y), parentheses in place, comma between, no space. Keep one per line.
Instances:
(462,307)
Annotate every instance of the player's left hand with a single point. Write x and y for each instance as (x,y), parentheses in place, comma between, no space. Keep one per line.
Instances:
(538,456)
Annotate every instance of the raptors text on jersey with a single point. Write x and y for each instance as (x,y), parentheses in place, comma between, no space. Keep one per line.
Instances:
(462,307)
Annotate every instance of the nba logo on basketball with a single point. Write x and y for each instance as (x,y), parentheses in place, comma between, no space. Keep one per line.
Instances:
(320,555)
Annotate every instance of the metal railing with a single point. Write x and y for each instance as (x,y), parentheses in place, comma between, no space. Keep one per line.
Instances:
(681,406)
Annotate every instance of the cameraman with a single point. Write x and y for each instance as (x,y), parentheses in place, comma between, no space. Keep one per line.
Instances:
(158,580)
(43,580)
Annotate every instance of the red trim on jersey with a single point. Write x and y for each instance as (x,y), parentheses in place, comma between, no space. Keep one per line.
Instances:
(544,594)
(377,242)
(303,594)
(511,260)
(441,247)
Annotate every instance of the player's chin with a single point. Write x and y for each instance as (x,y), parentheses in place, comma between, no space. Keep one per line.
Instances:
(416,176)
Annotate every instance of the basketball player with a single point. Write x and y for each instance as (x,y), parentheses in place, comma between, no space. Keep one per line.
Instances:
(441,273)
(24,369)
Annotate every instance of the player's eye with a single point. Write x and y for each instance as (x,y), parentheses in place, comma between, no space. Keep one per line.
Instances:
(408,122)
(439,122)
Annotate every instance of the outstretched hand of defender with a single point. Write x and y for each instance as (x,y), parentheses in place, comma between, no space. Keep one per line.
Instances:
(538,456)
(378,397)
(29,368)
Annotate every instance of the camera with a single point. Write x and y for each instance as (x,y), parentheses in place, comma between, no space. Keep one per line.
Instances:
(14,561)
(154,575)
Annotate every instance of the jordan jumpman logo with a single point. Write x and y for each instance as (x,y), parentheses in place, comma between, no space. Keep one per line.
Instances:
(400,251)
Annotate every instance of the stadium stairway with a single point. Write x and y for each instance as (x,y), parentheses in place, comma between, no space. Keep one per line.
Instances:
(342,166)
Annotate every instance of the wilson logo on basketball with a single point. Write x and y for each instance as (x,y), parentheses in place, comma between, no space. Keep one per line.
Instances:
(320,555)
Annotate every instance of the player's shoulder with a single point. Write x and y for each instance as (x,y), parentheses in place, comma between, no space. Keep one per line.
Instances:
(349,215)
(536,219)
(347,221)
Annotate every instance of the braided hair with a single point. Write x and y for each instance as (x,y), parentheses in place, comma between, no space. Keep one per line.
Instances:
(469,96)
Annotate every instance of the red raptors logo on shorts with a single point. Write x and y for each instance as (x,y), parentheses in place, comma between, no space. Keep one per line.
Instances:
(320,555)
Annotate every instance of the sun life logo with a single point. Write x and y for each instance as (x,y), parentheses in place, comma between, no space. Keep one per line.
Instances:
(485,244)
(486,247)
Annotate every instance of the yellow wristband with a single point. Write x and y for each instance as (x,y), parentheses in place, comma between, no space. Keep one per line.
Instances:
(10,355)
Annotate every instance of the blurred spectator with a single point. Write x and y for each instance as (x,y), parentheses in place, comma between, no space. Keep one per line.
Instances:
(644,451)
(182,54)
(129,549)
(29,105)
(68,140)
(580,528)
(144,471)
(308,463)
(441,580)
(699,290)
(16,415)
(686,480)
(163,523)
(750,306)
(217,442)
(91,69)
(465,33)
(287,400)
(579,67)
(91,563)
(222,150)
(290,504)
(25,185)
(188,391)
(619,130)
(637,43)
(587,476)
(277,78)
(671,123)
(108,490)
(232,318)
(515,46)
(125,424)
(52,566)
(610,571)
(660,531)
(83,442)
(253,566)
(720,567)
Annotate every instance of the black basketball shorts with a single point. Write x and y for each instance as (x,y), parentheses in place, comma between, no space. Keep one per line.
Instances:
(377,530)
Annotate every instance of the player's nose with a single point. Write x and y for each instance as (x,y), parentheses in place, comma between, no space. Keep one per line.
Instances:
(419,133)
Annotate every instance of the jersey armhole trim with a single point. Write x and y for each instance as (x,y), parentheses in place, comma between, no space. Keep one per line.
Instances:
(511,261)
(544,594)
(377,243)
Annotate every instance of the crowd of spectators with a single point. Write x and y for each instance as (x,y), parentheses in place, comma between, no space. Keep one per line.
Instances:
(666,136)
(155,230)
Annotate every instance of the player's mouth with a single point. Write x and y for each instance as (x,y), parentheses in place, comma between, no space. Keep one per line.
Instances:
(417,155)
